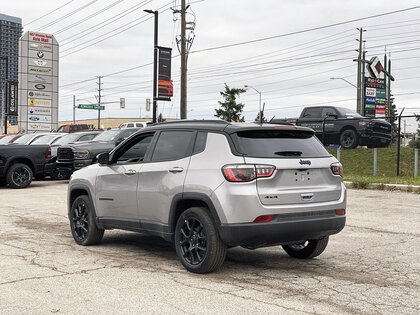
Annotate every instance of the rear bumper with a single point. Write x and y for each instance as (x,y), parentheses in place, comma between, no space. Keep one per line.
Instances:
(281,231)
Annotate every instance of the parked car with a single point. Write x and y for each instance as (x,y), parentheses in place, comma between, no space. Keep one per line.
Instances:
(73,128)
(49,138)
(134,124)
(75,156)
(19,164)
(344,127)
(210,185)
(27,139)
(6,139)
(68,139)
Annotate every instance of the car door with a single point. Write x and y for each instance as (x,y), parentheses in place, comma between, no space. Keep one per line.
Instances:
(116,183)
(163,177)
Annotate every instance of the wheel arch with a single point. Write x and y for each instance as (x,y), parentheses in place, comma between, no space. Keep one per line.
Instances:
(80,190)
(20,159)
(184,201)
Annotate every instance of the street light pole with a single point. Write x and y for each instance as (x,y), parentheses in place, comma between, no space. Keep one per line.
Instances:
(260,113)
(345,81)
(155,57)
(74,109)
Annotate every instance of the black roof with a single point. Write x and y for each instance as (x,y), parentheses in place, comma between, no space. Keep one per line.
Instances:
(220,125)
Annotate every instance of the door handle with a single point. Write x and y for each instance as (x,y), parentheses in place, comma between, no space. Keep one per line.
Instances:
(176,169)
(130,172)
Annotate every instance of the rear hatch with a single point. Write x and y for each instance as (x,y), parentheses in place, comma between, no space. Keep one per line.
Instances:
(303,166)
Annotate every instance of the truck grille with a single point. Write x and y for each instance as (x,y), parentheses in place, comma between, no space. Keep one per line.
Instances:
(382,128)
(65,154)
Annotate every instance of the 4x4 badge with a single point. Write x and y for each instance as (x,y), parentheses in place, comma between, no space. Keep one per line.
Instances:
(305,162)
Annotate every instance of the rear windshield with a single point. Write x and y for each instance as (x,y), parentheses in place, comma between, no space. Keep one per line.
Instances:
(279,144)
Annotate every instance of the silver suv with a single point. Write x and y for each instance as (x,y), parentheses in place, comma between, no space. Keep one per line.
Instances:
(210,185)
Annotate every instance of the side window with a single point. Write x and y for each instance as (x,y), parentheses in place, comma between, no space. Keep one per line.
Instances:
(130,125)
(200,142)
(314,112)
(136,152)
(139,125)
(173,145)
(328,111)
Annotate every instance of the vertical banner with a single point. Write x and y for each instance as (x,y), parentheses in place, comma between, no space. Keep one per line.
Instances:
(374,99)
(165,85)
(12,98)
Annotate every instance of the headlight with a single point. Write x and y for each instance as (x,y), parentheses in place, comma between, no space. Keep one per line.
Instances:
(364,123)
(81,155)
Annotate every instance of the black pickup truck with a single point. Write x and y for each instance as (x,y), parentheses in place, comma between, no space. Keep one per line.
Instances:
(19,164)
(342,126)
(75,156)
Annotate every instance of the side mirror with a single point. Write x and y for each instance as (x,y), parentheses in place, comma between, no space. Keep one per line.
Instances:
(332,115)
(103,158)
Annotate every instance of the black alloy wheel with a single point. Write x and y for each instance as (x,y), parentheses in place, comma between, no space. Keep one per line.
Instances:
(193,241)
(19,176)
(80,220)
(349,139)
(307,249)
(82,223)
(197,241)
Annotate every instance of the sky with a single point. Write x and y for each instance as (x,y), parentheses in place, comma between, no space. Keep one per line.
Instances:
(291,70)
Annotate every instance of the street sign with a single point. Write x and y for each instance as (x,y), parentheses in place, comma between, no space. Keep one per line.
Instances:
(122,102)
(91,106)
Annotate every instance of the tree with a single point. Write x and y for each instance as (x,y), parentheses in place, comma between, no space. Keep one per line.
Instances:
(415,143)
(392,120)
(257,119)
(230,110)
(160,118)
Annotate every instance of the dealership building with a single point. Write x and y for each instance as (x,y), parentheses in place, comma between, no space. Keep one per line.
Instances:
(10,32)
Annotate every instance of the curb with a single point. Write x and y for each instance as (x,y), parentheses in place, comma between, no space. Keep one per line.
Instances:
(389,187)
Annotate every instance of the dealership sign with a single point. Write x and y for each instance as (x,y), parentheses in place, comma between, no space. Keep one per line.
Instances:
(165,85)
(12,98)
(38,82)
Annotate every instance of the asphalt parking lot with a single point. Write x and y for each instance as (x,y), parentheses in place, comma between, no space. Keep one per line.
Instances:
(373,266)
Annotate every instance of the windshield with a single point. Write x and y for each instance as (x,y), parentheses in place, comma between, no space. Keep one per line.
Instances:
(67,139)
(24,139)
(348,112)
(44,139)
(6,139)
(279,144)
(107,135)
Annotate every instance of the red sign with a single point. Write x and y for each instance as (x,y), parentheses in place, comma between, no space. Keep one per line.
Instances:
(37,37)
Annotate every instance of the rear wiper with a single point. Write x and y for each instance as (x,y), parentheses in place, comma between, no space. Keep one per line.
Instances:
(288,153)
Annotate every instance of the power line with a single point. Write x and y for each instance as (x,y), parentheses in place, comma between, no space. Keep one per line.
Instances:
(305,31)
(68,15)
(37,19)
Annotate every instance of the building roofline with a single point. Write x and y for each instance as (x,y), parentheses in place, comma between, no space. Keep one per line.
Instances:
(9,18)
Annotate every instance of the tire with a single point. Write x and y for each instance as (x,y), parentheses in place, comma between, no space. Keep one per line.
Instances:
(82,222)
(349,139)
(56,174)
(308,249)
(197,242)
(19,176)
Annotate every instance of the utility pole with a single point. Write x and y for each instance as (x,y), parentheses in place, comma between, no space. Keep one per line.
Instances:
(359,70)
(74,109)
(362,105)
(389,91)
(183,63)
(99,101)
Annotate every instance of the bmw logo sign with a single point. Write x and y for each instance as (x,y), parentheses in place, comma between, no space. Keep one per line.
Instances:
(40,54)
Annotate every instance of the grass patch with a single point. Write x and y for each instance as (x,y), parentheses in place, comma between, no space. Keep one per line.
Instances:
(358,166)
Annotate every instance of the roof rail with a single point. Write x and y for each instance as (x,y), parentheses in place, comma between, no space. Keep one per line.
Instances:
(194,121)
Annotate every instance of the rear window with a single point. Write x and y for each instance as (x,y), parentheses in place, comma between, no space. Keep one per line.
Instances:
(279,144)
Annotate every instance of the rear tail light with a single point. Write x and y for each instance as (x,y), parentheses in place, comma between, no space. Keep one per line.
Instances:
(337,169)
(246,172)
(48,154)
(340,211)
(264,218)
